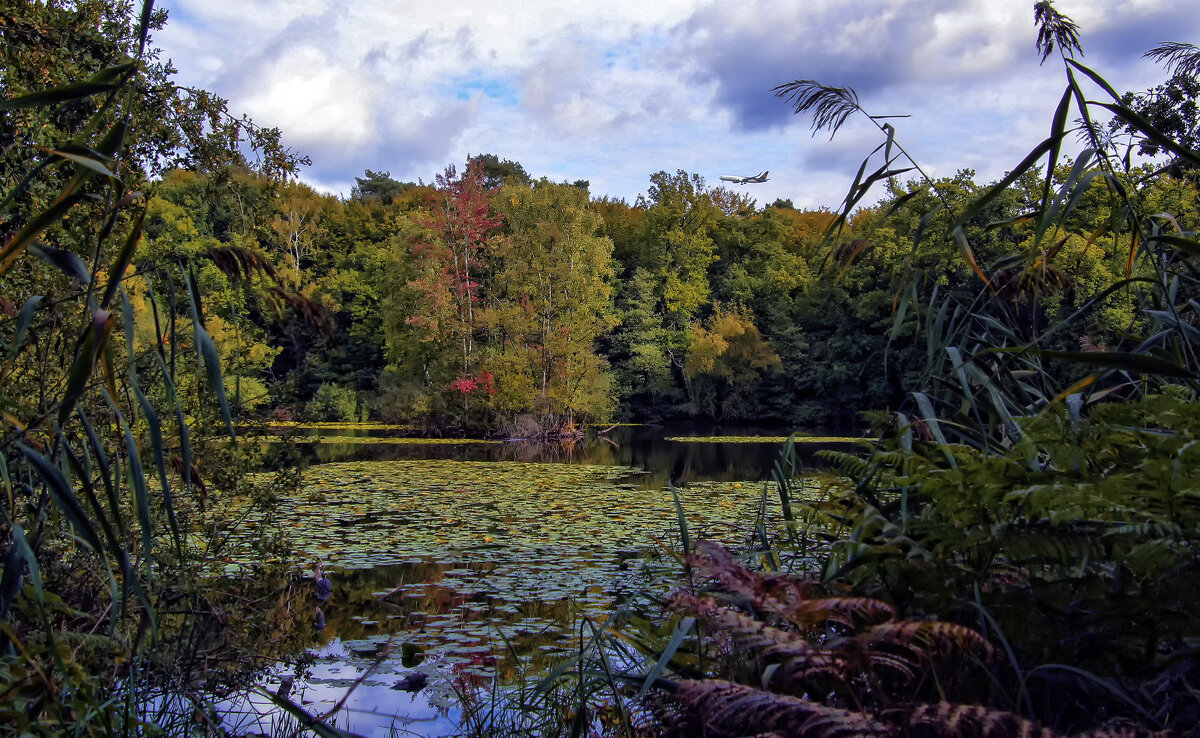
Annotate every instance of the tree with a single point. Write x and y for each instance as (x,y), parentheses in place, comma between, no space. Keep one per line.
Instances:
(497,171)
(167,125)
(297,222)
(379,187)
(551,298)
(678,248)
(724,361)
(442,297)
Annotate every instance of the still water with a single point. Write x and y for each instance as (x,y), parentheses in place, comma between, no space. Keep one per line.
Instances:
(678,453)
(466,568)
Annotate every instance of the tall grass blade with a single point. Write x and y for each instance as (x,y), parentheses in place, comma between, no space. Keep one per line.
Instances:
(206,354)
(1057,132)
(24,318)
(682,520)
(57,95)
(1116,360)
(82,159)
(1000,187)
(116,272)
(136,476)
(83,471)
(1103,83)
(30,560)
(681,630)
(152,424)
(19,242)
(64,261)
(1148,130)
(185,446)
(106,474)
(87,350)
(63,497)
(307,720)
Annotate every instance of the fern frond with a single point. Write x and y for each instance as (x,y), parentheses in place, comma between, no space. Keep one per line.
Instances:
(904,665)
(926,637)
(773,594)
(1124,729)
(745,632)
(1153,529)
(845,463)
(726,710)
(1061,546)
(797,662)
(948,720)
(853,612)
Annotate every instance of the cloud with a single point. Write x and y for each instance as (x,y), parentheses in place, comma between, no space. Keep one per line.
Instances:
(613,92)
(319,103)
(746,49)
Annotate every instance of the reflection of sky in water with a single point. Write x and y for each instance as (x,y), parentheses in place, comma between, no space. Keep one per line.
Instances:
(372,708)
(487,566)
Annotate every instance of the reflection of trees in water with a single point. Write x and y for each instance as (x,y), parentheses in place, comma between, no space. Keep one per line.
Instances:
(640,447)
(227,633)
(418,599)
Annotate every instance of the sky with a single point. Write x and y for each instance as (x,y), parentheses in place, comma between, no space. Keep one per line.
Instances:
(612,92)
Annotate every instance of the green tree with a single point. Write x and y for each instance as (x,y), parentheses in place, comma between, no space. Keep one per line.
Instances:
(724,361)
(550,300)
(379,187)
(678,248)
(441,300)
(497,171)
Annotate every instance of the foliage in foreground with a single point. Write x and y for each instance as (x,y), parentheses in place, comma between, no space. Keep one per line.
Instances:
(1042,493)
(799,662)
(115,604)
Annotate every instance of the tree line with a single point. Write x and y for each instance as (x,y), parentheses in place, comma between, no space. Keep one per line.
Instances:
(491,300)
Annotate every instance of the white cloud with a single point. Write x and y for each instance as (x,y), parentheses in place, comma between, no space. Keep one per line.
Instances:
(314,99)
(613,92)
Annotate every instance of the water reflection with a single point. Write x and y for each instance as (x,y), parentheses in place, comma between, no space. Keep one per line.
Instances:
(392,627)
(641,447)
(480,602)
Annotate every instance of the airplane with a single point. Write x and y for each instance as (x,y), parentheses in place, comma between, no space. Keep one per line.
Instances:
(744,180)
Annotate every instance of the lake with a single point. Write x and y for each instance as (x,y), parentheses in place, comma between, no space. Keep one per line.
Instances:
(472,563)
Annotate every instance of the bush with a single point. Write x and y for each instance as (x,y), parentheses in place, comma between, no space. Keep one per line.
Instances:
(335,403)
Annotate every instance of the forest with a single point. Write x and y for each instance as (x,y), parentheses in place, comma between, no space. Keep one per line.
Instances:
(1013,551)
(491,301)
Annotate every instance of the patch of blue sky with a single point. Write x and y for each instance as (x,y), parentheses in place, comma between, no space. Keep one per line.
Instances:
(500,90)
(629,54)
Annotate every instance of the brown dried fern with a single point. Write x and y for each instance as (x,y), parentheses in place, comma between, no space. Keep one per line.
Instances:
(726,710)
(769,594)
(948,720)
(927,637)
(852,612)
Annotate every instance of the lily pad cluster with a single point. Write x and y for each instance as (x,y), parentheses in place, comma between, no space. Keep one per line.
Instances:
(764,439)
(484,568)
(382,440)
